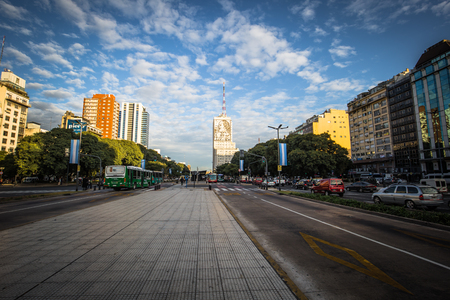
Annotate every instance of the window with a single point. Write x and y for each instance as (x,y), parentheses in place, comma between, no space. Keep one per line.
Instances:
(13,134)
(4,141)
(5,133)
(6,125)
(7,118)
(401,189)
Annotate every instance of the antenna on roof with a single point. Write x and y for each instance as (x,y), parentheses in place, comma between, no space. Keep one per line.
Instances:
(3,45)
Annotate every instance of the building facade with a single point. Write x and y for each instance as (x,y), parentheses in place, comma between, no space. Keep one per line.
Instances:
(134,123)
(371,140)
(70,121)
(332,121)
(102,111)
(14,105)
(403,127)
(430,82)
(33,127)
(223,146)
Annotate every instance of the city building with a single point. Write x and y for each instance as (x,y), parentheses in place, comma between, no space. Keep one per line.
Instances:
(70,121)
(102,111)
(403,127)
(14,105)
(223,146)
(332,121)
(134,123)
(32,128)
(371,142)
(430,82)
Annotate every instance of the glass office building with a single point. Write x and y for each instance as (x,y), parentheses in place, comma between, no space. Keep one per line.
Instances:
(431,92)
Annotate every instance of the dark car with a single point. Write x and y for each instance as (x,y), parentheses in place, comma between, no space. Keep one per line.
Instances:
(303,184)
(361,186)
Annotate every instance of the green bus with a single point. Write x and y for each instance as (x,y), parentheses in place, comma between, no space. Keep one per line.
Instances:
(130,177)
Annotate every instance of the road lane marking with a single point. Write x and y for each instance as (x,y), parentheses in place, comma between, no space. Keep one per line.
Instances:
(371,270)
(361,236)
(231,194)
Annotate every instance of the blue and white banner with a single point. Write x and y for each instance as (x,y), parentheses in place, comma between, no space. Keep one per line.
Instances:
(283,155)
(241,165)
(74,151)
(143,163)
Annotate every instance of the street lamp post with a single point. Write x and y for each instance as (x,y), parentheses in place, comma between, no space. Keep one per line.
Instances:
(278,144)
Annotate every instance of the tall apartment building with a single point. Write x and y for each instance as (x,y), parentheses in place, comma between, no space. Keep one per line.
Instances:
(134,123)
(431,93)
(332,121)
(371,141)
(102,111)
(403,126)
(14,105)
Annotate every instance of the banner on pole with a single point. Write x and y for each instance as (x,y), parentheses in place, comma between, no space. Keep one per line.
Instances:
(241,165)
(143,163)
(283,154)
(74,151)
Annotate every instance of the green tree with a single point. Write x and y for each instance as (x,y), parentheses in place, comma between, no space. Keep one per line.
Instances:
(29,153)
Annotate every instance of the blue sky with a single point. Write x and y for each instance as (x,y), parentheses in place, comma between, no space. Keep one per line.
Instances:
(282,61)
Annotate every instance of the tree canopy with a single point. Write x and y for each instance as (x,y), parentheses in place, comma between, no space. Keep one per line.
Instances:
(44,154)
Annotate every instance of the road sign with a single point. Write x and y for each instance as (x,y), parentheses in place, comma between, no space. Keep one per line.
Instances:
(279,168)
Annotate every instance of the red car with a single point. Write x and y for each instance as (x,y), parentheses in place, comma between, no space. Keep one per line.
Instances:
(329,186)
(257,181)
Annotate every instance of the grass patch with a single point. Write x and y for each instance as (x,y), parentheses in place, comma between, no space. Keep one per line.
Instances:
(422,214)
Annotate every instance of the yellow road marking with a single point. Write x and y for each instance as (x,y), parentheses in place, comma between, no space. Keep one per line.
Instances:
(371,269)
(426,238)
(231,194)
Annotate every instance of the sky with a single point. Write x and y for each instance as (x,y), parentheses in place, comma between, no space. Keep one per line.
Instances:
(282,61)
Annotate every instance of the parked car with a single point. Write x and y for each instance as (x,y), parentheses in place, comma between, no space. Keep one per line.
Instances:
(303,184)
(257,180)
(409,195)
(329,186)
(439,184)
(268,183)
(361,186)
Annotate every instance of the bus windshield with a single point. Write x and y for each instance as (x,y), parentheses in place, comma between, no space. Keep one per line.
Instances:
(115,171)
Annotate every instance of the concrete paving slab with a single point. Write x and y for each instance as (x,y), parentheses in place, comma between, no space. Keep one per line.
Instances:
(166,244)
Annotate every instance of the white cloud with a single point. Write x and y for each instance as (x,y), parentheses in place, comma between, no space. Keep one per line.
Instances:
(77,82)
(50,52)
(12,11)
(19,57)
(42,72)
(77,50)
(22,30)
(306,9)
(442,8)
(59,94)
(71,35)
(71,10)
(342,85)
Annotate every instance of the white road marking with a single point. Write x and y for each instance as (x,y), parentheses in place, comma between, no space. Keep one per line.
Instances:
(361,236)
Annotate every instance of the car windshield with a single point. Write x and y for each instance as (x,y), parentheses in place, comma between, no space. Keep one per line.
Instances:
(429,190)
(336,182)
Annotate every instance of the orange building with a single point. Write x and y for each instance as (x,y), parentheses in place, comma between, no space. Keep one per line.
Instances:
(103,111)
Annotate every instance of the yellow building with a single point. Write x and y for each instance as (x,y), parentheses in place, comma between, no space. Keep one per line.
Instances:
(332,121)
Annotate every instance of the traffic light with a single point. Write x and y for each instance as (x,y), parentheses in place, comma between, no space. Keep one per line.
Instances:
(154,158)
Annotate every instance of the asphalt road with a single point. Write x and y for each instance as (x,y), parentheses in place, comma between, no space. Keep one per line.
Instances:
(338,253)
(17,213)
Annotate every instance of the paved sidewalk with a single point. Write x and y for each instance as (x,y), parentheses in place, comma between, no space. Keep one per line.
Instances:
(175,243)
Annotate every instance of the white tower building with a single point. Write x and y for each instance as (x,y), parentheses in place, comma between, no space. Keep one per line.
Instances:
(223,146)
(134,122)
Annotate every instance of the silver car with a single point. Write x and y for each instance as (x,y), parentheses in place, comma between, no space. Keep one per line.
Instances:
(409,195)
